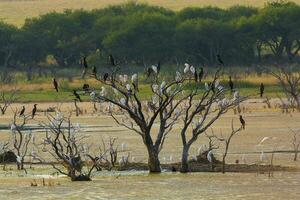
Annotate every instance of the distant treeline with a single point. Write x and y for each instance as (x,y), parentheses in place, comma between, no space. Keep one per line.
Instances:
(139,33)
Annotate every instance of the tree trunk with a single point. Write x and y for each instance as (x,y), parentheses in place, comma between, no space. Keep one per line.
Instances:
(184,159)
(223,165)
(153,160)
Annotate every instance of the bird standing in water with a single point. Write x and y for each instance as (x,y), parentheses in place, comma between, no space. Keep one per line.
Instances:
(34,111)
(22,111)
(230,84)
(243,123)
(262,89)
(76,95)
(55,84)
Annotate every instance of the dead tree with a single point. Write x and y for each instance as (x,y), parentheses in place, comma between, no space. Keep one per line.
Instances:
(140,116)
(66,145)
(289,82)
(295,142)
(20,138)
(203,108)
(226,141)
(6,100)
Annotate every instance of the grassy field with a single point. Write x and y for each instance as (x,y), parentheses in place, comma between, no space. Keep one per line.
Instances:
(16,11)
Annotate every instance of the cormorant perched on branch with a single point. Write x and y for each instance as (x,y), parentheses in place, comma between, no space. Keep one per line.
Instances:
(230,84)
(22,111)
(243,123)
(158,67)
(85,66)
(33,111)
(200,75)
(220,59)
(111,60)
(196,76)
(55,84)
(262,89)
(76,95)
(149,71)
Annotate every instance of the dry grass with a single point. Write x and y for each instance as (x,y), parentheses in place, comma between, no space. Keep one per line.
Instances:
(16,11)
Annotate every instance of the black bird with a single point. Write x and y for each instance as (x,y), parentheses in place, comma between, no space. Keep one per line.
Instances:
(136,86)
(158,67)
(230,84)
(85,65)
(105,77)
(33,111)
(86,87)
(220,59)
(76,95)
(149,71)
(196,76)
(243,123)
(22,111)
(94,71)
(55,84)
(111,60)
(262,89)
(200,75)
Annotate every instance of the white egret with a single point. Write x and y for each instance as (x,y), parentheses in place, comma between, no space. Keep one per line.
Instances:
(134,78)
(178,76)
(206,87)
(128,87)
(192,69)
(210,156)
(187,68)
(154,68)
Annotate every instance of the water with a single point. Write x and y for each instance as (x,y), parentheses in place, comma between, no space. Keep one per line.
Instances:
(140,185)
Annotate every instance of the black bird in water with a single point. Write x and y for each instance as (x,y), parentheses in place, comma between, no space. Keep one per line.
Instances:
(22,111)
(55,84)
(200,75)
(111,60)
(243,123)
(76,95)
(230,84)
(33,111)
(220,59)
(262,89)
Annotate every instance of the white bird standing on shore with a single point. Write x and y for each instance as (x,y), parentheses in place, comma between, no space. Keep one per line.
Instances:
(210,156)
(187,68)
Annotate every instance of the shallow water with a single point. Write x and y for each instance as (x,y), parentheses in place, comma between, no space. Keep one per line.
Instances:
(140,185)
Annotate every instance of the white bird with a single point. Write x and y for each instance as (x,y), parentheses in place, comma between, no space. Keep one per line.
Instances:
(209,156)
(236,95)
(13,127)
(192,69)
(217,82)
(103,91)
(134,78)
(123,147)
(263,140)
(93,95)
(263,157)
(128,87)
(154,68)
(187,68)
(125,78)
(19,159)
(206,87)
(163,85)
(123,101)
(178,76)
(155,87)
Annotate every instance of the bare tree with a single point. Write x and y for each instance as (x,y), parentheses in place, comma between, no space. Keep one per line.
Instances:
(6,100)
(226,141)
(295,142)
(65,144)
(202,109)
(20,137)
(140,116)
(289,82)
